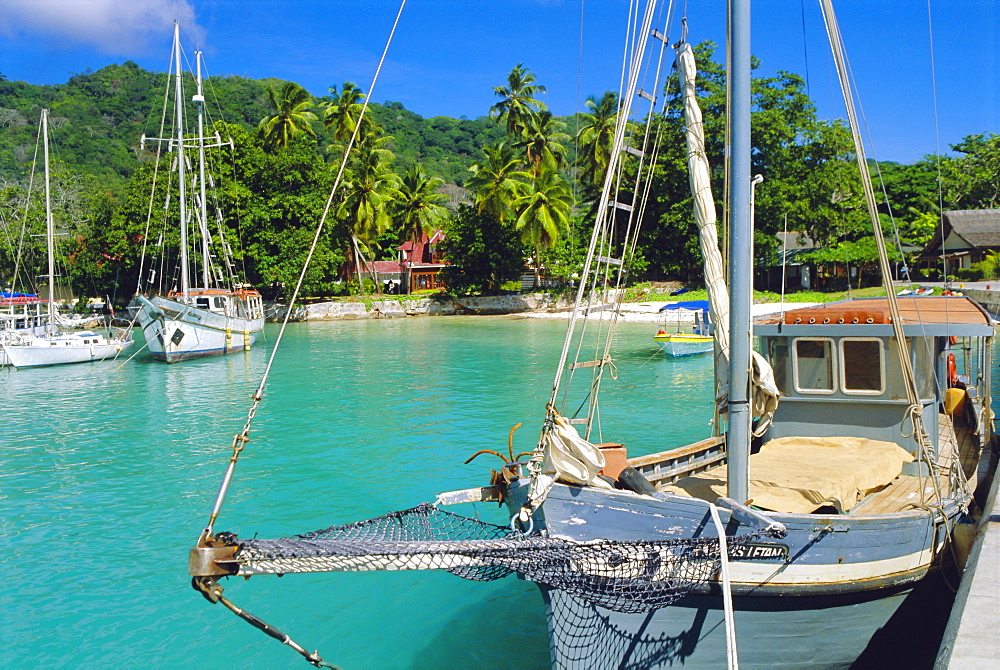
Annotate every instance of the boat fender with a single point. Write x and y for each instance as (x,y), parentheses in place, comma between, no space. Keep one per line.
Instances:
(952,370)
(632,480)
(611,480)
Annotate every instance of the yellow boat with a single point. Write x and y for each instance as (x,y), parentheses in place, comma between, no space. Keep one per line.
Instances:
(684,344)
(687,344)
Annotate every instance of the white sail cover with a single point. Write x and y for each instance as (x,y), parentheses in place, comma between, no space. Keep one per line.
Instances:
(571,458)
(764,395)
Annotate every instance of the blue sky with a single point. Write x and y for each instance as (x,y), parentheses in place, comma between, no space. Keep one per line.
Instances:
(448,54)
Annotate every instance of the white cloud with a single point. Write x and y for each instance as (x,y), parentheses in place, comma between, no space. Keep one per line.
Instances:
(114,27)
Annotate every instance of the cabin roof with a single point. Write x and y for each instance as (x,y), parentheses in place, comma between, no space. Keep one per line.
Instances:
(973,229)
(926,310)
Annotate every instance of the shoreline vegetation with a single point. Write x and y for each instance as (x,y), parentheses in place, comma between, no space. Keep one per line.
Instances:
(514,191)
(640,304)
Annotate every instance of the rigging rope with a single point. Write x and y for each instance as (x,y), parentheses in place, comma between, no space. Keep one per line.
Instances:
(241,438)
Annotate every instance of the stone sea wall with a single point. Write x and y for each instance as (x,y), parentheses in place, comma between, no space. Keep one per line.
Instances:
(989,299)
(392,309)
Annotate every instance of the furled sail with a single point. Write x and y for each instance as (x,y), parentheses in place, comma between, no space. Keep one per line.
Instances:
(765,394)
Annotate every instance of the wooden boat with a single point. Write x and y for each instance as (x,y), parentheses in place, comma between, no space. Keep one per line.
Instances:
(221,316)
(678,344)
(867,515)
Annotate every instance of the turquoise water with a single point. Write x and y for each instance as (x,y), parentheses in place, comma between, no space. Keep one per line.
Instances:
(107,479)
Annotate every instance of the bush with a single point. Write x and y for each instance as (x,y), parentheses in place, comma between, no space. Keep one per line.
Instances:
(975,273)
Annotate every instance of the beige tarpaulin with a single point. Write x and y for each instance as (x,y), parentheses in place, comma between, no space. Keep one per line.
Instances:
(799,475)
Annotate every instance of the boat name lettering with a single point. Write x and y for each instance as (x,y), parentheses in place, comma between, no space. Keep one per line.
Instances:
(758,550)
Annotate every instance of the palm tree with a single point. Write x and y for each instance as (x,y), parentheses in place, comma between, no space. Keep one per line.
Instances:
(543,210)
(518,104)
(542,142)
(496,181)
(342,114)
(369,189)
(292,116)
(596,138)
(418,208)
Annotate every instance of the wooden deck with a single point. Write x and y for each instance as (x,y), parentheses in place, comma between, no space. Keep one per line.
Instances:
(955,439)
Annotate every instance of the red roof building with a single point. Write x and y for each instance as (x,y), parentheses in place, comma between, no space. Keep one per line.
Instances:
(417,268)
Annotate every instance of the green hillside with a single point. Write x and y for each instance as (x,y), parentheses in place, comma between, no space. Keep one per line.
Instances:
(97,119)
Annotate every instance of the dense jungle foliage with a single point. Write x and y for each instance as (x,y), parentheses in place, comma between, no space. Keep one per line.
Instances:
(514,189)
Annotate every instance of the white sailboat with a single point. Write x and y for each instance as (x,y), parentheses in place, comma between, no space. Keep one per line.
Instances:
(52,347)
(221,316)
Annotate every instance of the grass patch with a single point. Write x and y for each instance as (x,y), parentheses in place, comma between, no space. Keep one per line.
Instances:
(643,294)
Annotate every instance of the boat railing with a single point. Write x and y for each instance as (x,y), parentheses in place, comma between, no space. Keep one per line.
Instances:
(667,467)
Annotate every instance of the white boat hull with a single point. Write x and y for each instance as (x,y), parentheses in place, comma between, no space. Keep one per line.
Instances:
(176,332)
(678,345)
(81,347)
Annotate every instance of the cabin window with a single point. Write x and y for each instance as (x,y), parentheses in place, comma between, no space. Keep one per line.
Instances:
(202,303)
(814,369)
(863,369)
(220,302)
(777,355)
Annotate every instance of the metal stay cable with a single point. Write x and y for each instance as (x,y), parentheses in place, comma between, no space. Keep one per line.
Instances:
(624,113)
(241,438)
(915,407)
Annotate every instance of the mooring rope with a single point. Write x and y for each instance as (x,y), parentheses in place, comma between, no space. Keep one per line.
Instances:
(241,438)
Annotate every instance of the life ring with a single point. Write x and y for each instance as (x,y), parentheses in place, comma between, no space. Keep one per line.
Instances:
(952,370)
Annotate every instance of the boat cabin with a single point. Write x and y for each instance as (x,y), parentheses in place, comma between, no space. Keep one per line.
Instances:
(21,312)
(241,304)
(838,370)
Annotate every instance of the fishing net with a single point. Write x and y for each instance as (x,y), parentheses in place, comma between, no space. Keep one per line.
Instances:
(624,576)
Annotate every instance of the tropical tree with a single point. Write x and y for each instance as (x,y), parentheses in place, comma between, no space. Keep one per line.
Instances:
(543,209)
(291,119)
(419,207)
(482,252)
(369,190)
(342,114)
(971,181)
(596,138)
(518,102)
(543,142)
(496,180)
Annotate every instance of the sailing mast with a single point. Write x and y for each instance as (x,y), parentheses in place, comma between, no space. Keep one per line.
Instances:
(181,177)
(49,226)
(199,100)
(741,244)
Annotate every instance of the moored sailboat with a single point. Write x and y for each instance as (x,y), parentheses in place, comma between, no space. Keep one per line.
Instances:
(26,347)
(802,531)
(221,316)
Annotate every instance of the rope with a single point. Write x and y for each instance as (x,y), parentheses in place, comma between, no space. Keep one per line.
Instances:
(727,590)
(836,42)
(241,438)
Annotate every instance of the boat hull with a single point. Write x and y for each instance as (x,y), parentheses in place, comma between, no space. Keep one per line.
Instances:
(830,575)
(63,349)
(177,332)
(816,632)
(678,345)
